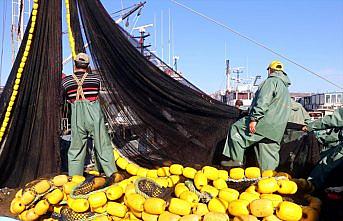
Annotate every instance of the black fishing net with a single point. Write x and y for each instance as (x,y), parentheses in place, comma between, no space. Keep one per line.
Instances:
(153,117)
(299,155)
(153,113)
(30,146)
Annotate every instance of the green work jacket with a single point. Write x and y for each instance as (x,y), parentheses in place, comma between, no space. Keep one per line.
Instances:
(271,106)
(298,114)
(333,122)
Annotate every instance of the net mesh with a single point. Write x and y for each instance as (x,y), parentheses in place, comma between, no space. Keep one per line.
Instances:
(30,146)
(153,117)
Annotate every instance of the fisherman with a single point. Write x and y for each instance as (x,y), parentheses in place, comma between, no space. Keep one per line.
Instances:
(243,111)
(265,125)
(297,119)
(332,157)
(81,90)
(238,103)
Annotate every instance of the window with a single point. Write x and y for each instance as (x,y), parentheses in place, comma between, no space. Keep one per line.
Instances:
(333,98)
(322,101)
(313,99)
(327,98)
(339,98)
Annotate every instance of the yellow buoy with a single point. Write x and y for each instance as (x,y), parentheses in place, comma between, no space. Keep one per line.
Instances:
(236,173)
(154,206)
(252,172)
(267,185)
(179,207)
(132,169)
(261,207)
(189,172)
(220,184)
(42,186)
(97,199)
(289,211)
(238,207)
(228,194)
(114,192)
(176,169)
(210,172)
(135,201)
(200,180)
(116,209)
(217,205)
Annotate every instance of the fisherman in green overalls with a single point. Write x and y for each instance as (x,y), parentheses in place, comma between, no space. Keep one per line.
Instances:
(266,123)
(298,116)
(87,120)
(333,156)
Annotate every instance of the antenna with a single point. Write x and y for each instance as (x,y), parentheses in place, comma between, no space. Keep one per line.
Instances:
(142,36)
(172,34)
(169,36)
(155,34)
(228,76)
(143,27)
(162,35)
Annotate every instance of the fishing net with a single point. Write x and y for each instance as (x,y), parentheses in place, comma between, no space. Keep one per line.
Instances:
(30,145)
(152,116)
(300,155)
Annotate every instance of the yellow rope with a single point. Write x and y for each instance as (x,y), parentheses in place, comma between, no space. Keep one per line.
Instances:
(70,33)
(28,42)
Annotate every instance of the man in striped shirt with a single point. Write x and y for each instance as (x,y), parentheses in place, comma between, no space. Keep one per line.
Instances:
(81,91)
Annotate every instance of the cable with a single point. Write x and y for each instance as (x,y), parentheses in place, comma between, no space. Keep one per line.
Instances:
(3,36)
(122,10)
(257,43)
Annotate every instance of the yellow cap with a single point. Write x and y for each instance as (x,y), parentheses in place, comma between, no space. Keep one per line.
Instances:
(276,65)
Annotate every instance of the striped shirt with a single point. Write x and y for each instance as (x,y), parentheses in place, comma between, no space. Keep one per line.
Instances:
(91,86)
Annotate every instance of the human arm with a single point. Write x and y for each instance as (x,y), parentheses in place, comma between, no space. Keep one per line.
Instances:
(329,121)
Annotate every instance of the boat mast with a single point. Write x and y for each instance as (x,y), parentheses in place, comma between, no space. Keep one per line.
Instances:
(123,17)
(21,10)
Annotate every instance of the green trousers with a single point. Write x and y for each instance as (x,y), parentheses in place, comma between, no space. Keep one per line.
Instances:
(87,120)
(330,160)
(239,139)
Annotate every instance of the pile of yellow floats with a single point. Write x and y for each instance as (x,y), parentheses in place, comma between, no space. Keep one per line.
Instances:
(265,200)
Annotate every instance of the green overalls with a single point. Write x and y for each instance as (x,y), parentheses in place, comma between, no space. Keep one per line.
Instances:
(271,109)
(87,120)
(333,156)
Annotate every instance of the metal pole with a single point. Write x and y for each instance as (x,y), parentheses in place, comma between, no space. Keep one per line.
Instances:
(169,61)
(155,33)
(21,22)
(162,36)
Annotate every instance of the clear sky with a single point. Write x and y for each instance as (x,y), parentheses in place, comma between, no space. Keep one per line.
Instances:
(307,31)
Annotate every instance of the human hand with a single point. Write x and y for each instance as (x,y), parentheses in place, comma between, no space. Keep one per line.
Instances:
(305,129)
(252,127)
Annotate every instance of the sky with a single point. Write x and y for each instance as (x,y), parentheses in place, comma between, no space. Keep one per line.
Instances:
(310,32)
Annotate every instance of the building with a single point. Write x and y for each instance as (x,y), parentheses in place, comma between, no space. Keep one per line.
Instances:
(322,101)
(298,95)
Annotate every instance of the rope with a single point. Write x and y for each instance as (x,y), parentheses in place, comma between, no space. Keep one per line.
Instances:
(257,43)
(70,33)
(24,58)
(124,9)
